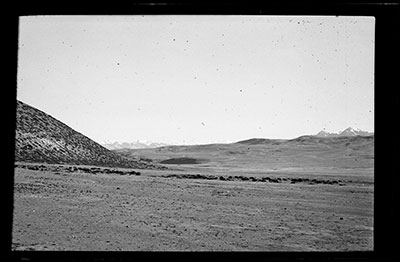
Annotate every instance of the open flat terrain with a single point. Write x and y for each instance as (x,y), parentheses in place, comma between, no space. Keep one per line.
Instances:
(304,194)
(193,207)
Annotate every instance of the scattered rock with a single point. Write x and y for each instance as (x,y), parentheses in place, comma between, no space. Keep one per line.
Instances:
(255,179)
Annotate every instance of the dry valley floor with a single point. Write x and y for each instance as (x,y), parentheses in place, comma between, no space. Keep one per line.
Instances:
(60,207)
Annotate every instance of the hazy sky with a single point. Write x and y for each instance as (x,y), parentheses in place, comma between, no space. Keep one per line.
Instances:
(199,79)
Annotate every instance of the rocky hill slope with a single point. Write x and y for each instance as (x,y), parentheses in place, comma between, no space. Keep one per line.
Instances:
(41,138)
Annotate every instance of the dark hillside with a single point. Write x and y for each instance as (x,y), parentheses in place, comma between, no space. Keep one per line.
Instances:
(40,137)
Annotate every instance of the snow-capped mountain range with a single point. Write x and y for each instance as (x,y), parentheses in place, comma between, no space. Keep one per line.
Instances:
(132,145)
(347,132)
(149,144)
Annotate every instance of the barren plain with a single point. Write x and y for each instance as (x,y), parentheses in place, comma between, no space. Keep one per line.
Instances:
(303,194)
(306,197)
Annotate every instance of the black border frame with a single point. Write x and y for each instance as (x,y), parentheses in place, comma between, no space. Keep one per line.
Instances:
(386,102)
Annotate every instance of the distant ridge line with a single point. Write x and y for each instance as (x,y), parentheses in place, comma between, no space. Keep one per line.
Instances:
(347,133)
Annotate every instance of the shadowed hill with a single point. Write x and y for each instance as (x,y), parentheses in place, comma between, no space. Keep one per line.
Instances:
(258,141)
(181,160)
(41,138)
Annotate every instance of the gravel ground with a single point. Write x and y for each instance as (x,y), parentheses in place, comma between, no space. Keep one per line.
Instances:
(64,208)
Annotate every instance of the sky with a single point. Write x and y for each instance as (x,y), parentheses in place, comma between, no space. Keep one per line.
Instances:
(199,79)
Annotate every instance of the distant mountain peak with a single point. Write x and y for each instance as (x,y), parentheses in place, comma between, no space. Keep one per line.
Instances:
(323,133)
(132,145)
(350,129)
(347,132)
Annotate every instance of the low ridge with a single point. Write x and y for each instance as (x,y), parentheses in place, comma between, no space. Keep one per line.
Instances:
(42,138)
(256,141)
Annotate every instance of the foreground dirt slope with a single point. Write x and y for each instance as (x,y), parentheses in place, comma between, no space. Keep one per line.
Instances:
(42,138)
(65,208)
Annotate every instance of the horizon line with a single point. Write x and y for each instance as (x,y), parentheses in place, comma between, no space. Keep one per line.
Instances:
(187,144)
(231,142)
